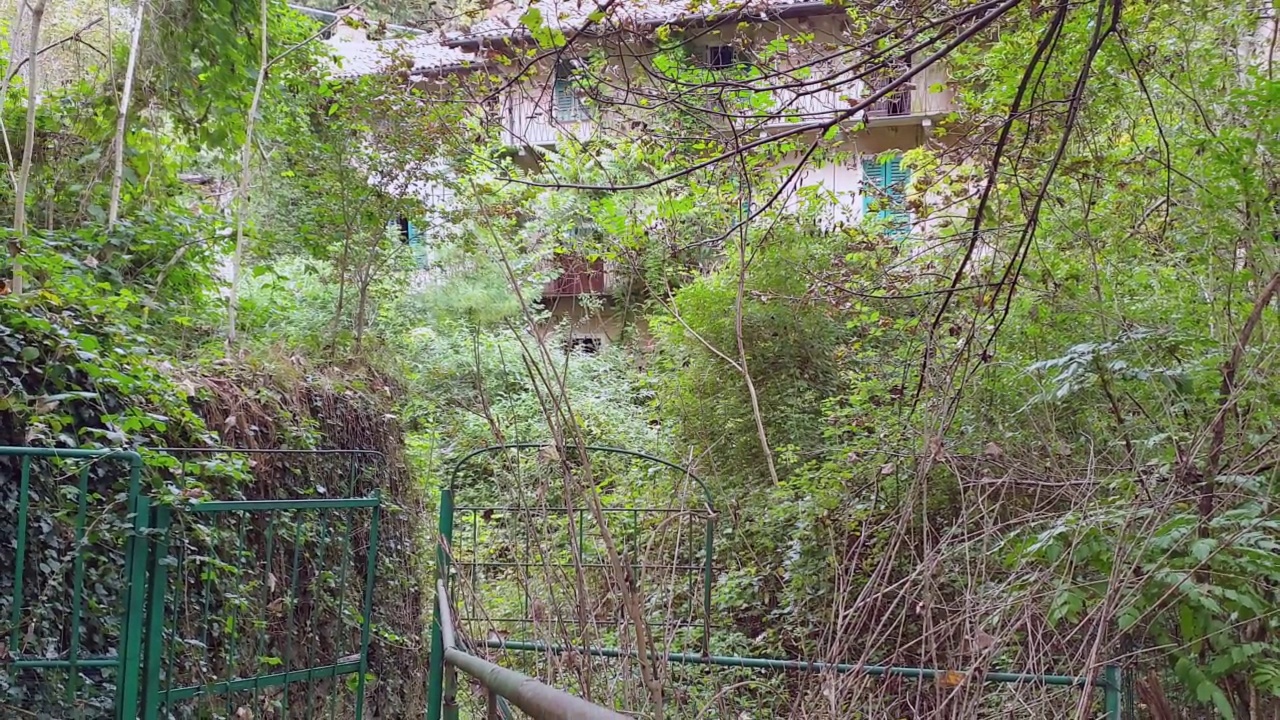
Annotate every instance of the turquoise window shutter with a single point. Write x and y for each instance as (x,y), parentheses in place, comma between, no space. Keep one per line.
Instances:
(564,96)
(872,182)
(564,99)
(885,186)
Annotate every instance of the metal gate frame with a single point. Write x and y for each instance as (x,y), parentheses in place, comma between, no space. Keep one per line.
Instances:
(141,691)
(158,693)
(155,693)
(441,687)
(127,658)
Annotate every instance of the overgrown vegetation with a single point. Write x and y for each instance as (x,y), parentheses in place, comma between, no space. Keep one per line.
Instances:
(1038,433)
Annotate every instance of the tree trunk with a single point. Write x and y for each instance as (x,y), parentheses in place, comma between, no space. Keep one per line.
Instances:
(15,35)
(122,119)
(28,148)
(242,192)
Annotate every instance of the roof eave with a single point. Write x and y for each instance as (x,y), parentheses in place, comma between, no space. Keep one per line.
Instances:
(788,12)
(446,69)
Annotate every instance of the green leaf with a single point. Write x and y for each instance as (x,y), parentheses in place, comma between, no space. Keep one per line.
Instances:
(1208,691)
(532,19)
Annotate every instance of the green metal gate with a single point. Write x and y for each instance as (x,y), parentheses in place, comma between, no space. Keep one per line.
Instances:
(76,591)
(180,606)
(233,625)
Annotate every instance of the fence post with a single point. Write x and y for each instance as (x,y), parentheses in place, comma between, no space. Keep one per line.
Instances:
(371,570)
(490,705)
(137,550)
(435,673)
(155,613)
(1114,706)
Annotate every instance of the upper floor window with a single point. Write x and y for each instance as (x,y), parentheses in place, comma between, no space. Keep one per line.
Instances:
(567,104)
(721,57)
(884,192)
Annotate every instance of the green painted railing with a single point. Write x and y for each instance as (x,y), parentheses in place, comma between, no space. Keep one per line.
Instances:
(1109,683)
(247,665)
(699,570)
(445,656)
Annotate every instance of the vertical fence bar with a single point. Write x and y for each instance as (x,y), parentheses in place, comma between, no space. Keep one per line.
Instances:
(1114,706)
(320,572)
(131,621)
(292,609)
(366,625)
(233,657)
(179,607)
(267,560)
(450,693)
(706,583)
(342,600)
(490,705)
(155,613)
(435,672)
(24,510)
(77,580)
(138,548)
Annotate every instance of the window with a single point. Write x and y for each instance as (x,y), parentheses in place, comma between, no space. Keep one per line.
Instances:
(568,106)
(884,193)
(721,57)
(586,344)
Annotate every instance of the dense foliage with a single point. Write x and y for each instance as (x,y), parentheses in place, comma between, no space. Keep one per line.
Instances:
(1036,433)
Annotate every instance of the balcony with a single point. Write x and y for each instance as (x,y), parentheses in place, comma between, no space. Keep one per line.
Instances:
(543,116)
(908,104)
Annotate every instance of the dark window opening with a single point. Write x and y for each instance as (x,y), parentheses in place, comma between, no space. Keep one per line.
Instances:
(405,235)
(587,344)
(721,57)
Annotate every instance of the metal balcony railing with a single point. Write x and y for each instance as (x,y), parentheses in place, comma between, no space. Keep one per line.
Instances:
(533,116)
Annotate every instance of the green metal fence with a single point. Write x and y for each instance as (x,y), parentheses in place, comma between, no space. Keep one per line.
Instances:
(75,592)
(123,607)
(544,549)
(235,627)
(478,582)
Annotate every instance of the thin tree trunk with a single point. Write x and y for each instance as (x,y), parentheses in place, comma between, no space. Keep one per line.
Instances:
(28,149)
(122,119)
(15,33)
(362,305)
(242,192)
(738,302)
(1226,400)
